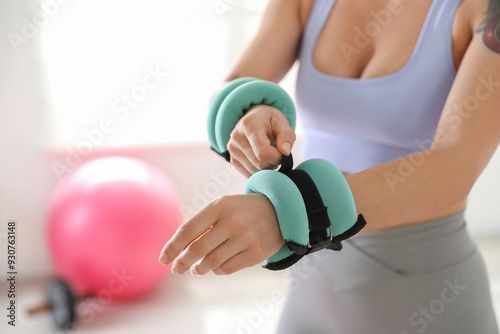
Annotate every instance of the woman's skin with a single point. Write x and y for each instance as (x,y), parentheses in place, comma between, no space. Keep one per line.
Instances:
(234,232)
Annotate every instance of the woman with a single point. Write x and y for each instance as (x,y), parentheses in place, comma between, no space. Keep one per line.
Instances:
(402,96)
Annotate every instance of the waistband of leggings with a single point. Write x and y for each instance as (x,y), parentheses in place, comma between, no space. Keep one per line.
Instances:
(421,247)
(432,229)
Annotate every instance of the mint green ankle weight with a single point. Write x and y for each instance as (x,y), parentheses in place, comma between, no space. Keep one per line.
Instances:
(231,103)
(296,221)
(313,203)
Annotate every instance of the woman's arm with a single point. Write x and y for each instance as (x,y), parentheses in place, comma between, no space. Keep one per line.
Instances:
(235,232)
(269,56)
(273,50)
(436,182)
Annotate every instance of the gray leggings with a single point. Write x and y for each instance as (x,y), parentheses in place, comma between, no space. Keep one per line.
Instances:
(424,278)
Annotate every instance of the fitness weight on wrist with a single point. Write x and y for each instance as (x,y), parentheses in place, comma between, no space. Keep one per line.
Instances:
(314,206)
(231,103)
(313,203)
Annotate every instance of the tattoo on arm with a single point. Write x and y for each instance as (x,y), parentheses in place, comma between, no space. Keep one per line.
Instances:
(491,26)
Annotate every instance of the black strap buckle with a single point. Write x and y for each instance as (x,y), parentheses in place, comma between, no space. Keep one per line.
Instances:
(320,244)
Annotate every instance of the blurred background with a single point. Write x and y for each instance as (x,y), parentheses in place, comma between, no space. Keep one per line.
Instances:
(87,79)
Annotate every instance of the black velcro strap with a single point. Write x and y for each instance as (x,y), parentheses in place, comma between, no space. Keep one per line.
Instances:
(317,214)
(284,263)
(358,226)
(319,222)
(286,164)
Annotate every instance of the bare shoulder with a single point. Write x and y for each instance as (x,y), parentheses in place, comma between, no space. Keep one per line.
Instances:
(473,19)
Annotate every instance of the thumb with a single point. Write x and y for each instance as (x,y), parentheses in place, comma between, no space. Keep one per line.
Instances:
(285,137)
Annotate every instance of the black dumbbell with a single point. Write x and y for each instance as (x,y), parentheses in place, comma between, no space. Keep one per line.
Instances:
(61,301)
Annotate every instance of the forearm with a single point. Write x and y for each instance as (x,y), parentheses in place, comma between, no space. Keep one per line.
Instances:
(413,188)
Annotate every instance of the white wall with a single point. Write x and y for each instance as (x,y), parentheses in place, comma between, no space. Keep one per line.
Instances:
(483,212)
(51,92)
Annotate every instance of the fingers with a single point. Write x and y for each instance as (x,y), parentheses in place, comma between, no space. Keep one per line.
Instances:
(250,142)
(237,262)
(285,136)
(251,156)
(237,154)
(188,232)
(198,249)
(239,167)
(227,235)
(218,257)
(259,143)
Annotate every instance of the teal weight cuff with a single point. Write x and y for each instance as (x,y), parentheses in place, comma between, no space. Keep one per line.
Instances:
(314,206)
(231,103)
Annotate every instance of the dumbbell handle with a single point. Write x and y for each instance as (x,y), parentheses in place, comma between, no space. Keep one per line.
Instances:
(46,306)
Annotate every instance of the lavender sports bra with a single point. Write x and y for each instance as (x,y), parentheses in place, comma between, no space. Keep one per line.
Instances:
(360,123)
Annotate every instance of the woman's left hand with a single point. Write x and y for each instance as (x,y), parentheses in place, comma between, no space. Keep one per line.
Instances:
(229,234)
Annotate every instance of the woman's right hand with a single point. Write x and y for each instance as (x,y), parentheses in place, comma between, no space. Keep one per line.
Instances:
(250,142)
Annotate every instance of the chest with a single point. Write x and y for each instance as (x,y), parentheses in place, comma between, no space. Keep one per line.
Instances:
(366,39)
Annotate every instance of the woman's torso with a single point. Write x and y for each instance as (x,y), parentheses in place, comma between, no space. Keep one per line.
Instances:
(374,76)
(388,50)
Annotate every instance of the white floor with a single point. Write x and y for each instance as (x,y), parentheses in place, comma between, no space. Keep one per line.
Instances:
(248,302)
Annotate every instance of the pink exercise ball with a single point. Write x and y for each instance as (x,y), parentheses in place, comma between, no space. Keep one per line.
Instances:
(107,223)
